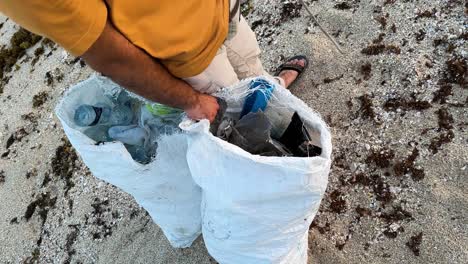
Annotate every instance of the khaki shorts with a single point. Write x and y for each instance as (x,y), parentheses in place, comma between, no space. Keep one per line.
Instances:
(237,59)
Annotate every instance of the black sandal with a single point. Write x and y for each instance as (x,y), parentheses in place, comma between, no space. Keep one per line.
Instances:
(294,67)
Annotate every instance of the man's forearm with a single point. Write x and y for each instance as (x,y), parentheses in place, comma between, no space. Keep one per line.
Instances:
(135,70)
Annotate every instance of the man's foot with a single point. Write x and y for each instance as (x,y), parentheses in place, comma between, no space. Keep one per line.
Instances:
(291,70)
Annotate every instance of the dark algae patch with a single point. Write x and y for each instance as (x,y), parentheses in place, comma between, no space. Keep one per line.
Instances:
(17,136)
(380,188)
(31,173)
(396,214)
(19,43)
(376,49)
(426,14)
(445,119)
(63,164)
(366,71)
(382,191)
(406,166)
(37,55)
(393,104)
(343,6)
(379,39)
(71,238)
(290,10)
(362,211)
(381,158)
(2,177)
(367,108)
(49,78)
(100,208)
(338,204)
(457,72)
(41,205)
(440,96)
(414,243)
(52,76)
(39,99)
(437,142)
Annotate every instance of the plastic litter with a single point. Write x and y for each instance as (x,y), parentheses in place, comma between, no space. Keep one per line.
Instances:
(298,140)
(98,133)
(277,132)
(102,114)
(252,133)
(134,122)
(250,208)
(257,209)
(258,99)
(162,185)
(131,135)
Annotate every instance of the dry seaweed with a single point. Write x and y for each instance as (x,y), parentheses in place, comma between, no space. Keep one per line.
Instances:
(366,71)
(406,166)
(381,158)
(337,204)
(343,6)
(376,49)
(445,119)
(414,243)
(440,96)
(63,164)
(457,72)
(39,99)
(367,108)
(400,103)
(19,43)
(442,139)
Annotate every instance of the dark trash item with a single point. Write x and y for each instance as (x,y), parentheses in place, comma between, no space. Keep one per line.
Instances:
(297,139)
(225,128)
(219,116)
(252,134)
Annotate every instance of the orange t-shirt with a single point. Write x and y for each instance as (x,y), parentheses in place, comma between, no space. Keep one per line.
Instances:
(184,35)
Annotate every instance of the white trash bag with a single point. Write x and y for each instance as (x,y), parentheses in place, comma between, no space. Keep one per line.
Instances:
(164,187)
(257,209)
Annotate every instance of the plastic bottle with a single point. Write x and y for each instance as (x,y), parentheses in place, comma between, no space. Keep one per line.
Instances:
(137,141)
(88,115)
(131,135)
(280,118)
(97,133)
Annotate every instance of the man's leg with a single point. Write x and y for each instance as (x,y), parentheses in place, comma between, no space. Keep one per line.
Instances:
(243,53)
(219,73)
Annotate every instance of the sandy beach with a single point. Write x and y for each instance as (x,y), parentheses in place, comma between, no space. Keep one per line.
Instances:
(396,102)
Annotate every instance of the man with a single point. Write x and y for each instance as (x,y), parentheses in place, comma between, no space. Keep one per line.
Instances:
(175,52)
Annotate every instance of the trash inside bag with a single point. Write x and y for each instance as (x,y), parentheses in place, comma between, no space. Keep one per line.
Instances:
(260,173)
(130,120)
(264,126)
(164,186)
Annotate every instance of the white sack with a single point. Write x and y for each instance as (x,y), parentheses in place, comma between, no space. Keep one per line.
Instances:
(163,187)
(257,209)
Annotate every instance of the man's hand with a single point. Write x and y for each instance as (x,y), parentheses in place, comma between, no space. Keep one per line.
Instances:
(114,56)
(206,107)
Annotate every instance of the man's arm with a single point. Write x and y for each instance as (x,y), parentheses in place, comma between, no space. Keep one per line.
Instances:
(114,56)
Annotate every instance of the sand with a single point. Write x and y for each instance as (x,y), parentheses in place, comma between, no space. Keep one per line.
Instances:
(397,191)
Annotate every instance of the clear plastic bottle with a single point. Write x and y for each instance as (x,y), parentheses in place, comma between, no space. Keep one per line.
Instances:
(88,115)
(97,133)
(136,140)
(131,135)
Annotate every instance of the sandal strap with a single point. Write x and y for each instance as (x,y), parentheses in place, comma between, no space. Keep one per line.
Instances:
(299,69)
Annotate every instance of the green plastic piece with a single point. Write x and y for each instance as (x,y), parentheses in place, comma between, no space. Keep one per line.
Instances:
(162,110)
